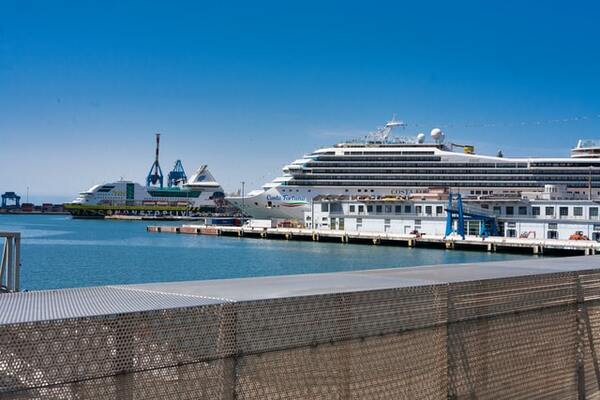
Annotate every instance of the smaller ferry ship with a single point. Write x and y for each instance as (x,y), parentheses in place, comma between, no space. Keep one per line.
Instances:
(200,193)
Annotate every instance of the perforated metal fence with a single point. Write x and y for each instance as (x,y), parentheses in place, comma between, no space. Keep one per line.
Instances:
(514,330)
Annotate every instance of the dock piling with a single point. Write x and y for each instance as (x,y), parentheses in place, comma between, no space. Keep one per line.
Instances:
(489,243)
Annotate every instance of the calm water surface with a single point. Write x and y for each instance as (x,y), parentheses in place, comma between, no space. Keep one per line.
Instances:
(59,252)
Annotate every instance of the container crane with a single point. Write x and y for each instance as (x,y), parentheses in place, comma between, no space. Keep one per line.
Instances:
(177,175)
(155,174)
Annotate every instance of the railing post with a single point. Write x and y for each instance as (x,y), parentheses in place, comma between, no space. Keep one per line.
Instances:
(3,262)
(10,262)
(17,261)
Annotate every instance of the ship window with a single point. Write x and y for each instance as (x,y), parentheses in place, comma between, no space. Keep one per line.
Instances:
(563,211)
(428,210)
(550,211)
(418,209)
(510,210)
(369,208)
(407,209)
(439,210)
(388,209)
(522,210)
(398,209)
(593,212)
(361,209)
(552,235)
(535,211)
(352,208)
(378,208)
(359,190)
(578,211)
(324,207)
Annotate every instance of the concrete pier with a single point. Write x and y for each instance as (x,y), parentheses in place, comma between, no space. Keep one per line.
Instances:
(509,330)
(490,244)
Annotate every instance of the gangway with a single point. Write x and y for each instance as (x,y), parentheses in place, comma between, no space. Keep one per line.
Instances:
(460,213)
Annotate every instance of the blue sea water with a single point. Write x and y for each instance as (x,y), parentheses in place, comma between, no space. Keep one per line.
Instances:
(60,252)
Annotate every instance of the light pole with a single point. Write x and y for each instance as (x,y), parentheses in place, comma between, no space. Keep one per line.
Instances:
(243,202)
(590,184)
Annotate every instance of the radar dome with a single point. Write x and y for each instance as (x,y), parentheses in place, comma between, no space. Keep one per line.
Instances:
(437,135)
(420,137)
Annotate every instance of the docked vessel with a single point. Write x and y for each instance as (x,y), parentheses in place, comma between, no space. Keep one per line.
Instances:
(200,193)
(381,164)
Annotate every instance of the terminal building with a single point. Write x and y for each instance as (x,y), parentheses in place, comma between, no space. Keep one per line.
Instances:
(552,214)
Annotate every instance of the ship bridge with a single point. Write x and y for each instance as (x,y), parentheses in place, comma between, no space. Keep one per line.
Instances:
(586,148)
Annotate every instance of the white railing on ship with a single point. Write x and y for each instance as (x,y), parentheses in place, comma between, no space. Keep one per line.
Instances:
(10,263)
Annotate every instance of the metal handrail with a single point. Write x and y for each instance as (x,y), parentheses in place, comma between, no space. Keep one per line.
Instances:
(10,263)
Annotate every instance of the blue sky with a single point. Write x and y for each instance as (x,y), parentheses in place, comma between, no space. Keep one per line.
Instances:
(247,87)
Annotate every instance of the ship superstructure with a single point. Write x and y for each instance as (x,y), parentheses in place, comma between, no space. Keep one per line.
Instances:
(381,165)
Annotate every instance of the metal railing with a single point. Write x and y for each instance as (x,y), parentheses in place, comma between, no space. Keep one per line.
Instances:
(10,263)
(526,329)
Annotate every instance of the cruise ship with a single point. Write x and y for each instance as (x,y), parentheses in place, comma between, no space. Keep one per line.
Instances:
(201,190)
(382,164)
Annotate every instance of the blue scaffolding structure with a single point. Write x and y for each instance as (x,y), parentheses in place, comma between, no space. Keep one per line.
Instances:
(456,212)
